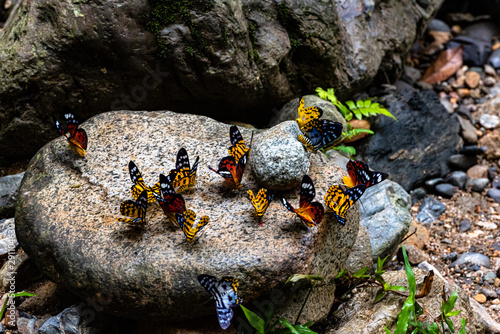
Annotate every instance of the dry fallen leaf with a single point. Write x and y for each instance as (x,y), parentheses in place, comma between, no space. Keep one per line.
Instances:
(358,124)
(426,288)
(440,38)
(447,63)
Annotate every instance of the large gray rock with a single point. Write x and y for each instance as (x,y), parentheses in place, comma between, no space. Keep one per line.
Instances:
(412,149)
(9,186)
(232,60)
(67,210)
(385,214)
(359,312)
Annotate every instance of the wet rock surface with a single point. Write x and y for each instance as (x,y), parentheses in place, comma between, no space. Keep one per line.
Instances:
(68,206)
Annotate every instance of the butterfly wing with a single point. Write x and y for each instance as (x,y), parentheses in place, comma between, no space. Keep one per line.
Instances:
(307,114)
(312,214)
(238,147)
(188,227)
(59,128)
(139,185)
(360,173)
(171,201)
(230,171)
(307,191)
(135,209)
(261,201)
(192,173)
(341,200)
(330,131)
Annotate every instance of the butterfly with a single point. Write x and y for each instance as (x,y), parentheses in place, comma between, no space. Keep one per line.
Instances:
(135,209)
(231,168)
(238,147)
(260,201)
(340,200)
(310,212)
(139,185)
(225,293)
(360,173)
(171,203)
(186,222)
(316,133)
(77,137)
(186,176)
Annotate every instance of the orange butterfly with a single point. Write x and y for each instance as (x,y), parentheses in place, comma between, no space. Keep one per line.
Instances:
(77,137)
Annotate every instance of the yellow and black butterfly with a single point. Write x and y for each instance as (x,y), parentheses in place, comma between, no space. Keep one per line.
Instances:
(135,209)
(340,200)
(238,147)
(260,201)
(186,176)
(310,212)
(139,185)
(186,221)
(316,133)
(77,138)
(231,168)
(360,173)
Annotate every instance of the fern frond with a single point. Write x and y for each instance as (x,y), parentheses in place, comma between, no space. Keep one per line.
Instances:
(354,132)
(367,108)
(346,149)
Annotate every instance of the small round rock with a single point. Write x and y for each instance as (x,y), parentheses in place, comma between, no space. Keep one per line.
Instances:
(489,121)
(446,190)
(478,185)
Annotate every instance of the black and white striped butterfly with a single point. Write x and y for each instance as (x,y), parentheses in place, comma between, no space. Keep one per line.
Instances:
(225,294)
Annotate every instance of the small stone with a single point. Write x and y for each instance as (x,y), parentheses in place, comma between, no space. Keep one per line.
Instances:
(451,257)
(488,69)
(412,75)
(457,178)
(430,210)
(496,182)
(468,130)
(417,195)
(432,183)
(495,246)
(478,185)
(487,225)
(465,225)
(473,150)
(489,121)
(446,190)
(446,241)
(415,255)
(492,173)
(447,105)
(464,112)
(494,59)
(472,79)
(463,92)
(489,277)
(497,282)
(490,81)
(495,301)
(461,162)
(472,258)
(478,172)
(475,93)
(438,25)
(480,298)
(494,193)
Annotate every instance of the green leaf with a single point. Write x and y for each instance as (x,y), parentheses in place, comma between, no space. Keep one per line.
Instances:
(297,277)
(409,273)
(254,320)
(462,329)
(288,325)
(357,113)
(360,104)
(453,313)
(351,105)
(433,328)
(361,273)
(404,317)
(354,132)
(387,331)
(269,313)
(16,294)
(380,264)
(450,304)
(346,149)
(341,273)
(450,324)
(397,288)
(348,116)
(23,294)
(380,294)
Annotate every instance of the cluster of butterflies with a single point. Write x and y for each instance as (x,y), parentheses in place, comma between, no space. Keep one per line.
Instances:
(315,134)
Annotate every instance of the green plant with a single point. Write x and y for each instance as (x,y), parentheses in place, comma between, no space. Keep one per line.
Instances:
(359,109)
(264,326)
(13,295)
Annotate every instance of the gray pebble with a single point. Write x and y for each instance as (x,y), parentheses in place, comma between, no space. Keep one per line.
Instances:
(494,193)
(472,258)
(446,190)
(478,185)
(465,225)
(458,178)
(489,121)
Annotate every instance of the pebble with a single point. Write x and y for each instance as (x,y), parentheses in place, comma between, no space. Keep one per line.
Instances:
(494,59)
(447,105)
(496,182)
(461,161)
(446,190)
(472,79)
(473,150)
(478,172)
(446,241)
(468,132)
(490,278)
(495,246)
(491,173)
(494,193)
(497,282)
(472,258)
(495,301)
(430,210)
(452,256)
(478,185)
(488,69)
(464,112)
(489,121)
(480,298)
(487,225)
(417,195)
(438,25)
(465,225)
(432,183)
(458,178)
(489,81)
